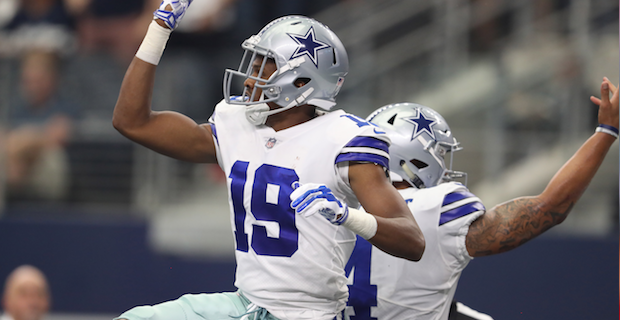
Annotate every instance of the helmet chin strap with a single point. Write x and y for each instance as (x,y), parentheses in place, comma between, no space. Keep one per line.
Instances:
(257,114)
(254,112)
(417,182)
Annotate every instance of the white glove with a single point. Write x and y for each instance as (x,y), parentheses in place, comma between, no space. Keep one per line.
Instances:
(311,198)
(173,17)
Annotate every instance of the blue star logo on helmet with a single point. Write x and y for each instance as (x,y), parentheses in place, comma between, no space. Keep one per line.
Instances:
(308,45)
(421,124)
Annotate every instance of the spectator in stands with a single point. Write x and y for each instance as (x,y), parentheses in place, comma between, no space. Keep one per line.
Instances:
(39,127)
(41,24)
(107,26)
(26,295)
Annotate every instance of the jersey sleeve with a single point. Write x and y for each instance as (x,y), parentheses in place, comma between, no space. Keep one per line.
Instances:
(214,133)
(213,119)
(211,123)
(458,204)
(458,210)
(370,145)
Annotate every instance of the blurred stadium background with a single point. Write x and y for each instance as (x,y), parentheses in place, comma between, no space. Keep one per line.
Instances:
(512,78)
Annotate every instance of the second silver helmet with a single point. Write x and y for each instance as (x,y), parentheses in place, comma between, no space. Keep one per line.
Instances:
(421,138)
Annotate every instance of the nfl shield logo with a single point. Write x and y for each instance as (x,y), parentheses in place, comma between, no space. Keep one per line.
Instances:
(270,143)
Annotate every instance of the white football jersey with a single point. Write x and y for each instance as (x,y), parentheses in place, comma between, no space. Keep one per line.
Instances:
(286,263)
(384,287)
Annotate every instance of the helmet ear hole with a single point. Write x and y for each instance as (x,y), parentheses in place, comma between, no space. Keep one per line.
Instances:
(419,164)
(300,82)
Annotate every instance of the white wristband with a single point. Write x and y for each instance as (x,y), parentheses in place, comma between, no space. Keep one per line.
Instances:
(362,223)
(612,131)
(154,43)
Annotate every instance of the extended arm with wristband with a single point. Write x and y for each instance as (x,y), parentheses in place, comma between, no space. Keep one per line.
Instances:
(167,132)
(527,217)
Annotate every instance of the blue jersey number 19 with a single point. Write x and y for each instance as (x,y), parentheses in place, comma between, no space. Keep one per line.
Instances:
(270,201)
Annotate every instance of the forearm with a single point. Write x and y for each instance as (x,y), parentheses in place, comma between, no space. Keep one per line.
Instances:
(511,224)
(569,183)
(400,237)
(397,230)
(133,107)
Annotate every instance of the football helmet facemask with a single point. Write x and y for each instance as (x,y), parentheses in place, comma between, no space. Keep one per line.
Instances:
(421,138)
(303,49)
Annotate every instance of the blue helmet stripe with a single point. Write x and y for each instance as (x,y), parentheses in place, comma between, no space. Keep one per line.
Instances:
(461,212)
(364,157)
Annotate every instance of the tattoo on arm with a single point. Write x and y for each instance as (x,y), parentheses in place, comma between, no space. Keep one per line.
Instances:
(510,225)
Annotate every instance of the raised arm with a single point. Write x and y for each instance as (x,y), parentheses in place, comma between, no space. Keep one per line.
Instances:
(397,231)
(510,224)
(169,133)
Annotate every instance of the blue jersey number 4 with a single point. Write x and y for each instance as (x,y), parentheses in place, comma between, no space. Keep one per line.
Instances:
(362,294)
(270,201)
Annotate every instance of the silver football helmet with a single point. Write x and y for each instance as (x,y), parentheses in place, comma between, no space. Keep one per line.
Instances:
(421,138)
(303,49)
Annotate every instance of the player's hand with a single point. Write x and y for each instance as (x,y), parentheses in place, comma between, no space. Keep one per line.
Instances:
(310,198)
(171,12)
(608,108)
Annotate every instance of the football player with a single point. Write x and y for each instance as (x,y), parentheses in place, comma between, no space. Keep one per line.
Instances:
(456,225)
(296,170)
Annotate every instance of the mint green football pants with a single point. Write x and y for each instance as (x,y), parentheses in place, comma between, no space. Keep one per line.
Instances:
(204,306)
